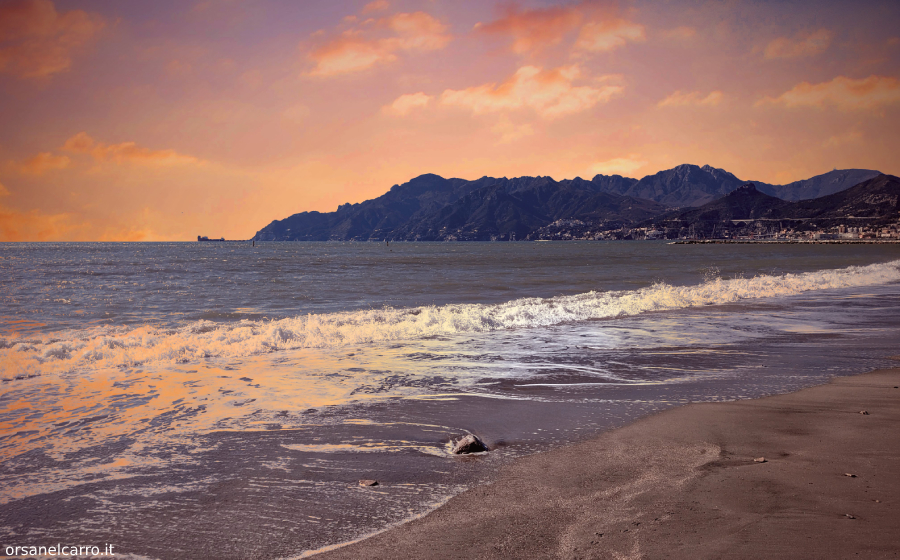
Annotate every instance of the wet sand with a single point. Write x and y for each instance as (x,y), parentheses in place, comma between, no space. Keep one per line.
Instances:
(684,484)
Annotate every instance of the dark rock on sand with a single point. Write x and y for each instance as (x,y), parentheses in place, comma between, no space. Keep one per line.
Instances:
(468,444)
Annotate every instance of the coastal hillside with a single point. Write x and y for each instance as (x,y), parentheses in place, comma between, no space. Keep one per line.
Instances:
(691,185)
(872,203)
(432,208)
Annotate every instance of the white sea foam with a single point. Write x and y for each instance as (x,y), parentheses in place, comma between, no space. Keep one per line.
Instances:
(111,347)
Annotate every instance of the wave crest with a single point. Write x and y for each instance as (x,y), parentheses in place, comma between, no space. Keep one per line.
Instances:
(120,347)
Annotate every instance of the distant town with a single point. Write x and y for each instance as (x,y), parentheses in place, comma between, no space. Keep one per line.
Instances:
(686,203)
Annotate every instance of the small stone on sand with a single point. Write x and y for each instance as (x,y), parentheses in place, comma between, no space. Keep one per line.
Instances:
(468,444)
(760,460)
(848,516)
(368,482)
(851,475)
(866,412)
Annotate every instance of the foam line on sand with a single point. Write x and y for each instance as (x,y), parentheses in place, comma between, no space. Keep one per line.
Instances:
(684,483)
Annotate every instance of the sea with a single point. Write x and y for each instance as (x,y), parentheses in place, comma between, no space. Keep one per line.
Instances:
(223,400)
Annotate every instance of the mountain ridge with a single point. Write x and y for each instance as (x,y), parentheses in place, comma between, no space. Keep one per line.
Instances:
(430,207)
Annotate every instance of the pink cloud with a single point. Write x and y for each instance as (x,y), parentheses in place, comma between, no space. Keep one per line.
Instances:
(406,103)
(599,28)
(841,92)
(365,46)
(551,93)
(39,41)
(532,30)
(45,161)
(606,35)
(679,99)
(376,6)
(125,152)
(804,44)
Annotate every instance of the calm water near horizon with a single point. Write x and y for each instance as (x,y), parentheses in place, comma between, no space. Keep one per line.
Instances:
(222,400)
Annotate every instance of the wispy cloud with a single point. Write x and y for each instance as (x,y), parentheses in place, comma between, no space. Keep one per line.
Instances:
(510,131)
(376,42)
(841,92)
(39,164)
(606,35)
(125,152)
(551,93)
(596,28)
(619,166)
(376,6)
(803,44)
(406,103)
(532,30)
(681,99)
(38,41)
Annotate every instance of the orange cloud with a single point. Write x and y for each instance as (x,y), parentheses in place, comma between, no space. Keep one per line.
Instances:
(33,226)
(606,35)
(38,41)
(44,161)
(125,152)
(532,30)
(406,103)
(548,92)
(619,166)
(357,49)
(376,6)
(3,190)
(804,44)
(679,99)
(841,92)
(510,132)
(599,30)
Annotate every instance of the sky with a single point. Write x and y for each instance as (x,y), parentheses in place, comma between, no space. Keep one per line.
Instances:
(164,120)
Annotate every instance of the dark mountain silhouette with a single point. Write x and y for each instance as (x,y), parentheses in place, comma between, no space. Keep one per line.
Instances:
(685,185)
(745,202)
(870,202)
(431,207)
(690,185)
(818,186)
(877,198)
(497,209)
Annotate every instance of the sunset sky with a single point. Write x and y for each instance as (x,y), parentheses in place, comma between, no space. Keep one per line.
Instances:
(164,120)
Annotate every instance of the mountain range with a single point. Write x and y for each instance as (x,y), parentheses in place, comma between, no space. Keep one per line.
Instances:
(430,207)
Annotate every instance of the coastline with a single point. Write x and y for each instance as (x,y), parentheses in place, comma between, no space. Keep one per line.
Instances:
(683,483)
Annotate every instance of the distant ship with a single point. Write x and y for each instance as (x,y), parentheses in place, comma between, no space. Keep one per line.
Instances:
(204,238)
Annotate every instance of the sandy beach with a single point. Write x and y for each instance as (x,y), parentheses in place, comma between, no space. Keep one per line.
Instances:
(691,483)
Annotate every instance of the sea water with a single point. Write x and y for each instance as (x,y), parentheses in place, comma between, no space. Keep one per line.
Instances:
(222,400)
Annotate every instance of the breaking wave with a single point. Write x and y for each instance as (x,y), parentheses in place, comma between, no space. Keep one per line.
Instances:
(122,347)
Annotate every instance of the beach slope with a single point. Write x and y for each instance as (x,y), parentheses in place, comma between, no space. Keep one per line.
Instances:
(685,484)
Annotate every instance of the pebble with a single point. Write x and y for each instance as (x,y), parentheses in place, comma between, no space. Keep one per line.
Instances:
(848,516)
(760,460)
(368,482)
(851,475)
(866,412)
